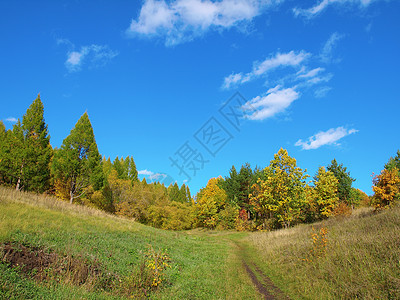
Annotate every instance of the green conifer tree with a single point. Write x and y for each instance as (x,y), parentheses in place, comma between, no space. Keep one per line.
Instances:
(174,192)
(78,162)
(38,151)
(28,152)
(132,171)
(345,182)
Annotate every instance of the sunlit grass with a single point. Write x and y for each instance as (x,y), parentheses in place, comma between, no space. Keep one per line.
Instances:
(362,258)
(203,264)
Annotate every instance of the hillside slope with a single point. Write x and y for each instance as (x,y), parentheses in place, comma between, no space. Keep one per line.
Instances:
(357,257)
(347,258)
(202,266)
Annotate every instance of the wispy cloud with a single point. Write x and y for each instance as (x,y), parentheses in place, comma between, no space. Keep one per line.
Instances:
(321,92)
(11,119)
(309,74)
(297,74)
(324,4)
(94,55)
(151,175)
(178,21)
(322,138)
(275,101)
(157,176)
(326,54)
(289,59)
(145,172)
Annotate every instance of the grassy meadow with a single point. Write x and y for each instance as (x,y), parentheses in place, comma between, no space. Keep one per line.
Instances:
(360,259)
(357,257)
(203,266)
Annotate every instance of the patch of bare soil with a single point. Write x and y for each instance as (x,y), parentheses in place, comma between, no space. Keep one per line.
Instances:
(39,264)
(262,282)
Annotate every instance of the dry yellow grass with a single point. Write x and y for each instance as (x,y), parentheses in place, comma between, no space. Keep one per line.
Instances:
(362,259)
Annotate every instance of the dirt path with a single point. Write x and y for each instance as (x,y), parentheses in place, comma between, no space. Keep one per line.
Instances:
(262,282)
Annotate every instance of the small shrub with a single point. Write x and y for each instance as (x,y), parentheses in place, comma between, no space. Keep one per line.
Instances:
(342,210)
(150,275)
(319,244)
(227,217)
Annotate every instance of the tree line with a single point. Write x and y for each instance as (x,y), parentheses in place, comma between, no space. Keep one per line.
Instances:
(280,195)
(76,172)
(276,196)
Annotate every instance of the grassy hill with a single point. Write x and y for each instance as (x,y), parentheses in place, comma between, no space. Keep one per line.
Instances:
(78,252)
(202,266)
(357,258)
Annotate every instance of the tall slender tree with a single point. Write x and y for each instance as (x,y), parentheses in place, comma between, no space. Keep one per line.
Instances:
(78,162)
(27,151)
(5,150)
(38,151)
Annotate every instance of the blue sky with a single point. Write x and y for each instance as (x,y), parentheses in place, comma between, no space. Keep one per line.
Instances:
(159,78)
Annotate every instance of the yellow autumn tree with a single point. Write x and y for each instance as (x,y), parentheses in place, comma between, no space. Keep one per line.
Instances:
(325,192)
(210,201)
(386,188)
(281,195)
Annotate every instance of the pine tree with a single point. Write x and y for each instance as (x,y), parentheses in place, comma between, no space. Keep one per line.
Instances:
(231,186)
(394,162)
(118,165)
(5,149)
(188,195)
(345,181)
(78,162)
(27,151)
(132,171)
(17,157)
(38,151)
(182,194)
(174,192)
(107,166)
(126,168)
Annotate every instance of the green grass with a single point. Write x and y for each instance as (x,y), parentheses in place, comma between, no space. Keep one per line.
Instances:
(204,266)
(362,259)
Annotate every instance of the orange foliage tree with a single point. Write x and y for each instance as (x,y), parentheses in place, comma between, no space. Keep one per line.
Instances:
(386,188)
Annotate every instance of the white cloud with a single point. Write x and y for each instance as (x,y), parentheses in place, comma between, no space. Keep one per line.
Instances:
(290,59)
(322,91)
(157,176)
(232,80)
(182,20)
(151,175)
(325,138)
(294,71)
(329,46)
(95,55)
(65,42)
(145,172)
(11,119)
(275,101)
(319,79)
(322,5)
(310,73)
